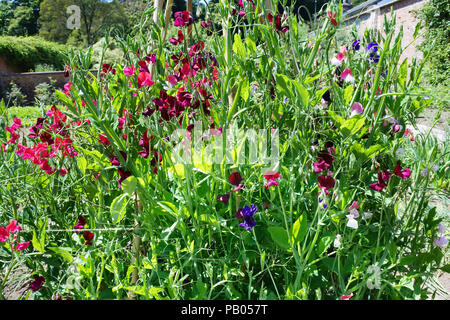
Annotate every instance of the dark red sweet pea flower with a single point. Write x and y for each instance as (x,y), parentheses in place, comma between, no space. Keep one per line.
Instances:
(278,26)
(144,143)
(103,139)
(404,174)
(88,236)
(80,224)
(326,182)
(235,178)
(224,198)
(332,16)
(38,282)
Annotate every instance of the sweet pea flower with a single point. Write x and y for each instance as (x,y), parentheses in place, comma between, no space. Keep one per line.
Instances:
(435,168)
(247,213)
(357,108)
(367,215)
(441,241)
(144,80)
(404,174)
(337,241)
(38,282)
(235,178)
(326,182)
(22,246)
(347,297)
(224,198)
(332,16)
(356,45)
(13,227)
(380,185)
(337,61)
(4,234)
(346,75)
(354,205)
(129,71)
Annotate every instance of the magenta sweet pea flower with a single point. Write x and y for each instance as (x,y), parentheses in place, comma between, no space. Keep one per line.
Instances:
(129,71)
(404,174)
(22,246)
(347,297)
(380,185)
(145,80)
(13,227)
(4,234)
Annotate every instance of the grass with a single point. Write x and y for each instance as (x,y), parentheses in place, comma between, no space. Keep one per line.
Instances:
(28,115)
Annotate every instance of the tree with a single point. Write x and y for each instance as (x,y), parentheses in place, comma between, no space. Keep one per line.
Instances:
(96,16)
(53,18)
(6,14)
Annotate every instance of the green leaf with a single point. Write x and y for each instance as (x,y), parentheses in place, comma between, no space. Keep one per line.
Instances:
(250,44)
(119,208)
(82,164)
(245,90)
(36,243)
(324,244)
(304,95)
(348,94)
(65,254)
(279,236)
(129,185)
(238,46)
(299,229)
(402,74)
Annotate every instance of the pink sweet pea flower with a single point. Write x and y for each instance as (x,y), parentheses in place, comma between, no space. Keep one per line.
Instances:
(13,227)
(129,71)
(354,205)
(357,108)
(4,234)
(145,80)
(347,297)
(22,246)
(346,75)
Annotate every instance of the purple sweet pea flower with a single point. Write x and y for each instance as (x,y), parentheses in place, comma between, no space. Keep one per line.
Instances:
(356,45)
(248,212)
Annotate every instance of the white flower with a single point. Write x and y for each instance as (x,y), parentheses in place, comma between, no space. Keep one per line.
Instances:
(350,79)
(335,62)
(352,223)
(367,215)
(337,241)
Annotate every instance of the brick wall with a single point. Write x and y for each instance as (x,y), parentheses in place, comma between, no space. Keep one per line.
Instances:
(405,17)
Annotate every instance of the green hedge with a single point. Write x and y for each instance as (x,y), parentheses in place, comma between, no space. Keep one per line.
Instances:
(25,53)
